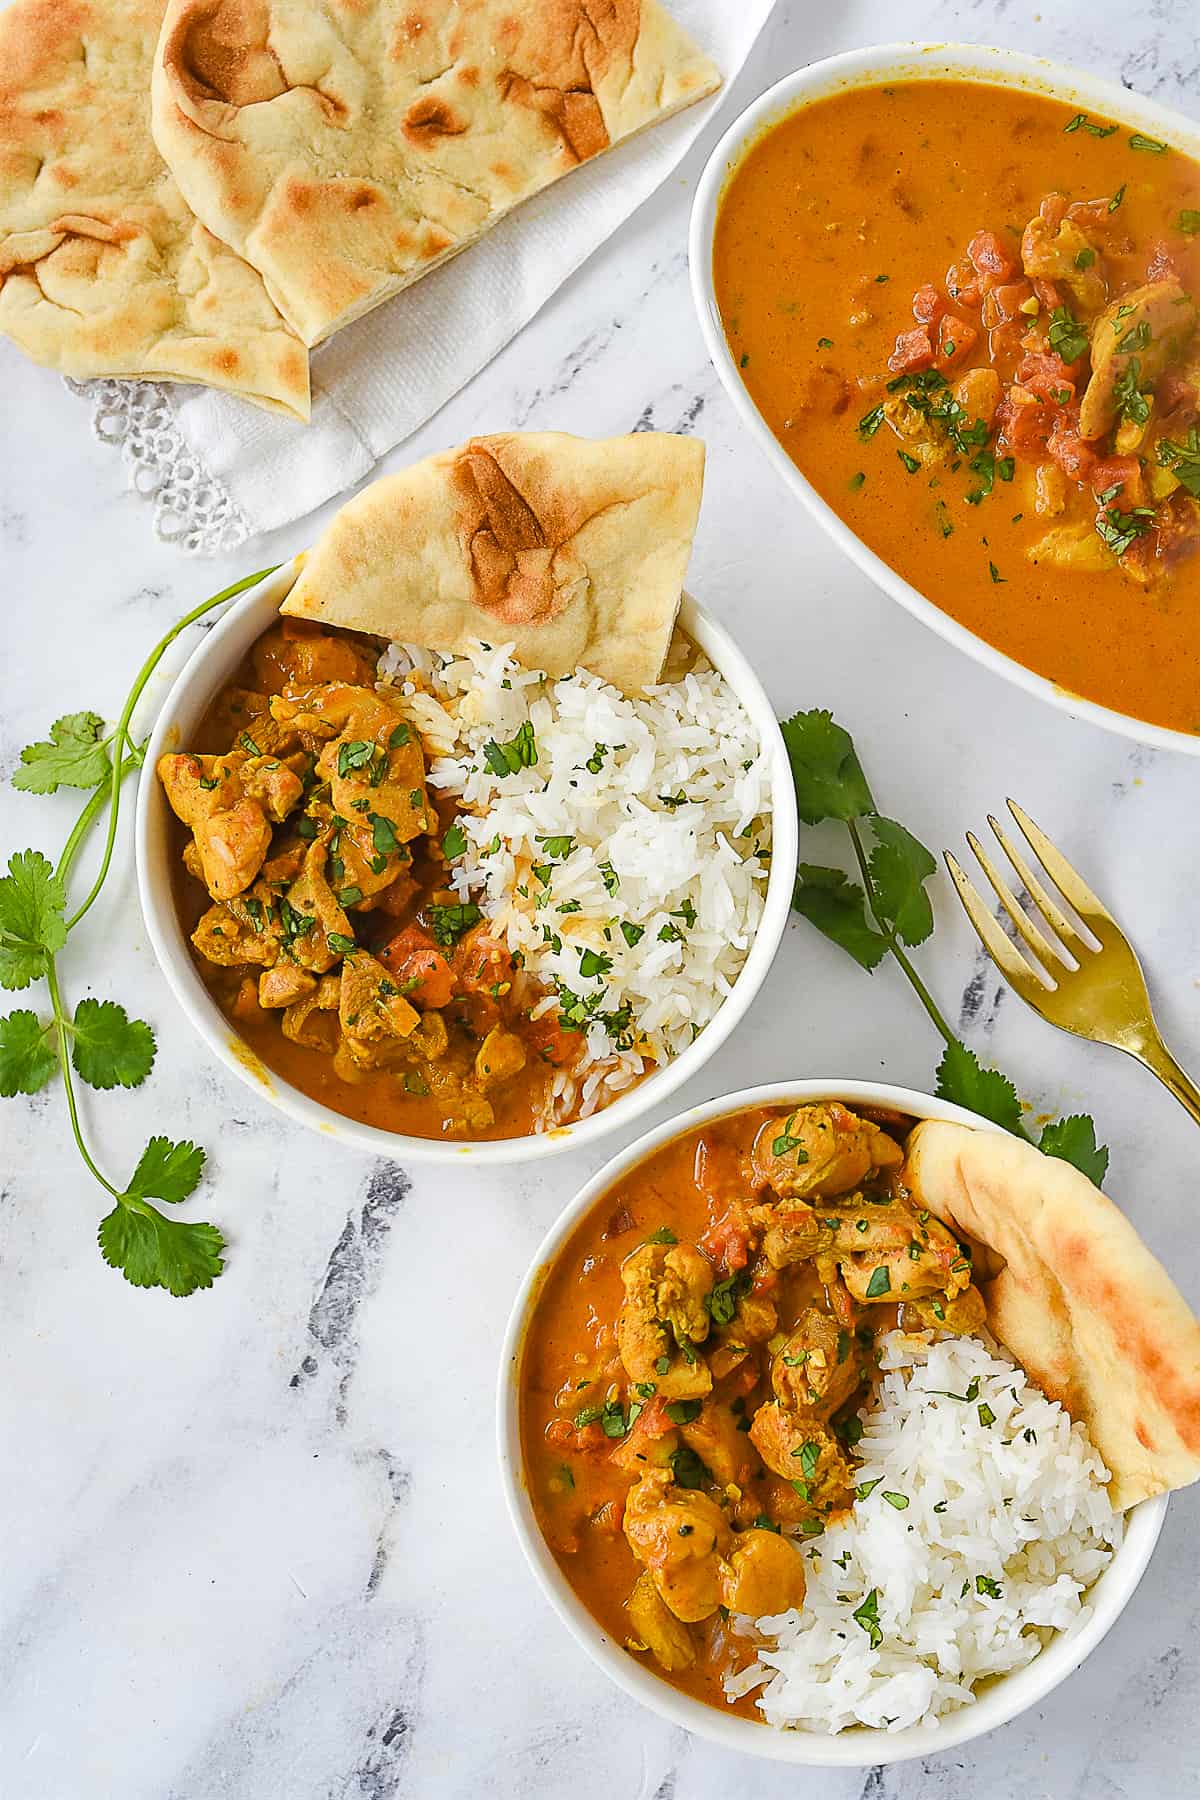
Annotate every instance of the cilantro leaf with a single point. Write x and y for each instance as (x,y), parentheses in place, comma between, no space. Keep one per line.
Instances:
(836,907)
(826,771)
(1074,1141)
(153,1251)
(26,1062)
(900,866)
(76,756)
(110,1049)
(166,1171)
(962,1079)
(32,927)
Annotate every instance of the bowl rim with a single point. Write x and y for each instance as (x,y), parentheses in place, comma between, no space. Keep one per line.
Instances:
(210,661)
(859,1746)
(984,65)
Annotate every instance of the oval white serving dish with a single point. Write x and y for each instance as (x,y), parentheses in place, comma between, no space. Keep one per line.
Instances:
(210,664)
(913,62)
(861,1746)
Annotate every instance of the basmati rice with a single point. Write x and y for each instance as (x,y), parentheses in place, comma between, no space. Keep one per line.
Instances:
(622,846)
(982,1521)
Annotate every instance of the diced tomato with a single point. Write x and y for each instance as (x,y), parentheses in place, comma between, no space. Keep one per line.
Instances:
(1024,427)
(1177,533)
(413,957)
(991,258)
(956,339)
(1004,303)
(482,962)
(651,1425)
(1123,473)
(583,1440)
(962,283)
(727,1240)
(1053,210)
(550,1041)
(914,350)
(927,305)
(1162,265)
(1048,292)
(1047,376)
(1073,456)
(1175,394)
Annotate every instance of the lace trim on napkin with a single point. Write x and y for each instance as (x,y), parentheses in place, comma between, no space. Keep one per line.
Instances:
(191,508)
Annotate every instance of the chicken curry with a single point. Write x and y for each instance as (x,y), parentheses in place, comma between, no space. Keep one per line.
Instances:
(968,313)
(695,1361)
(312,880)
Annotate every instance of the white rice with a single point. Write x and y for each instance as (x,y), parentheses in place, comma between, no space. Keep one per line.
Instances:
(669,830)
(1007,1524)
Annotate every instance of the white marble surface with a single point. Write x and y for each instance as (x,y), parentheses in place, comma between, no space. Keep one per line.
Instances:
(252,1544)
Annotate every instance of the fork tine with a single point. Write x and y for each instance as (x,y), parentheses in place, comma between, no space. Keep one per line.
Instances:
(1004,954)
(1042,952)
(1049,908)
(1064,877)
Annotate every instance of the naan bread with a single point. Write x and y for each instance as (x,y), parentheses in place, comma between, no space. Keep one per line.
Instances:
(346,147)
(1089,1313)
(103,269)
(572,549)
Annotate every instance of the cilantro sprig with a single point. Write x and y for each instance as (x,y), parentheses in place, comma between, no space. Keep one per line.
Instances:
(98,1042)
(887,912)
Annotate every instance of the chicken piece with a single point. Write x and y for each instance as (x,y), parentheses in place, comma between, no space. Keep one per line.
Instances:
(1075,549)
(372,1011)
(222,938)
(199,786)
(232,846)
(715,1438)
(500,1056)
(654,1346)
(311,1022)
(373,754)
(820,1150)
(429,1039)
(292,655)
(915,432)
(867,1223)
(284,984)
(317,914)
(1050,491)
(978,393)
(667,1638)
(818,1368)
(680,1536)
(1055,248)
(965,1315)
(754,1322)
(794,1233)
(763,1576)
(806,1454)
(1154,323)
(277,787)
(932,1261)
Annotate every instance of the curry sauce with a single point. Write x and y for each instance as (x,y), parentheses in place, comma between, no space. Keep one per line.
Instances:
(967,313)
(694,1364)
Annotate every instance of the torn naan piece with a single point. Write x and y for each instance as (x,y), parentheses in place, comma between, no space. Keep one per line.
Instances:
(347,147)
(1076,1297)
(571,549)
(103,268)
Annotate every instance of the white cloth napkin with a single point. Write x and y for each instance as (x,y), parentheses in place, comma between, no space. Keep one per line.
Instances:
(378,380)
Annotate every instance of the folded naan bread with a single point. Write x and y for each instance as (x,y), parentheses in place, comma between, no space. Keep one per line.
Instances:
(572,549)
(346,147)
(103,268)
(1076,1297)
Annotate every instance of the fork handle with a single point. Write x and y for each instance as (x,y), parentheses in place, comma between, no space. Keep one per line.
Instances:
(1160,1062)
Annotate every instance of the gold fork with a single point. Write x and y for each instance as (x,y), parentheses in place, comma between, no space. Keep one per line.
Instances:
(1095,989)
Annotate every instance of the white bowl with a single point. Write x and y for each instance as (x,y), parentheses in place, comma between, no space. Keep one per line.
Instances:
(210,664)
(913,62)
(861,1746)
